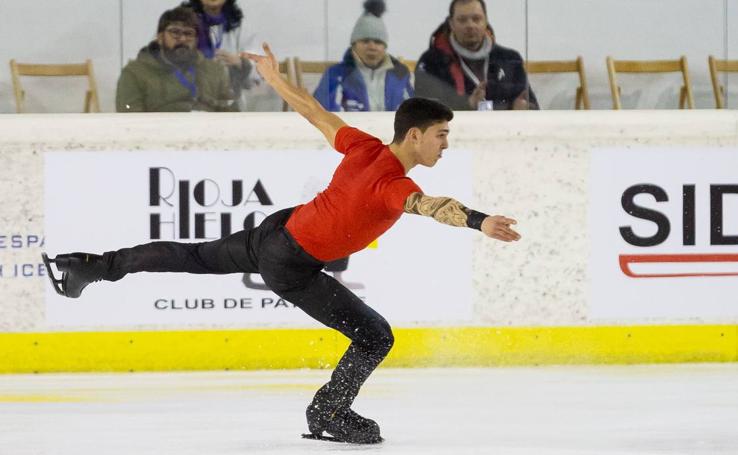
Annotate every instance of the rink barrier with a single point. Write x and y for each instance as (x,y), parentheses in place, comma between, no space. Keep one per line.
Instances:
(321,348)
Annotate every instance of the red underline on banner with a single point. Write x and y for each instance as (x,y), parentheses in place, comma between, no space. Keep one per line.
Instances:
(627,259)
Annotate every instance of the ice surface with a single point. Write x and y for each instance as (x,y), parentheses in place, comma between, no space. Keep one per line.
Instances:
(661,409)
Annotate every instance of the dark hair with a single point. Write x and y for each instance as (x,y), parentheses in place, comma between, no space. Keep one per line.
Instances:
(232,12)
(419,113)
(179,14)
(452,6)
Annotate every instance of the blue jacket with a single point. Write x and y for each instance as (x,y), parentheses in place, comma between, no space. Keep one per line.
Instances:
(342,88)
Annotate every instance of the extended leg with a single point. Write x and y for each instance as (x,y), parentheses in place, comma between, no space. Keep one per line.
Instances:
(227,255)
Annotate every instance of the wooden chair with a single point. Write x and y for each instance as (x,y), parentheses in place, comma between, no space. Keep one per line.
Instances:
(287,69)
(716,66)
(564,66)
(411,64)
(92,103)
(650,66)
(310,67)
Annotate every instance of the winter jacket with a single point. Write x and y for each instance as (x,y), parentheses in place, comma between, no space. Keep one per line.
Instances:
(439,75)
(343,87)
(149,84)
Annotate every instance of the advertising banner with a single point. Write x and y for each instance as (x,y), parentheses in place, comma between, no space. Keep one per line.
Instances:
(664,233)
(418,272)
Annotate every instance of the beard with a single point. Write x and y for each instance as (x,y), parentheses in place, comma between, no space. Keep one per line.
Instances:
(181,55)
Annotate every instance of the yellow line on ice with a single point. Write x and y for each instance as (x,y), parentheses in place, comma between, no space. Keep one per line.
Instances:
(10,398)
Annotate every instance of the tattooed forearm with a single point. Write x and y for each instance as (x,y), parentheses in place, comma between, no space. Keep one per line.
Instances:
(443,209)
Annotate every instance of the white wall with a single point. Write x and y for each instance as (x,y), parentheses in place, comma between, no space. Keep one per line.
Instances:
(112,31)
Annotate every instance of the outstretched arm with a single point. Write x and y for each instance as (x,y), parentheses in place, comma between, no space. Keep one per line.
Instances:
(299,99)
(450,211)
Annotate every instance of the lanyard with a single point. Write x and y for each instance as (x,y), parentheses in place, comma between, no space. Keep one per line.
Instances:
(216,36)
(471,74)
(187,83)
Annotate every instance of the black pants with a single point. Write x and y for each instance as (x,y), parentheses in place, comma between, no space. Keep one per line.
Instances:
(292,274)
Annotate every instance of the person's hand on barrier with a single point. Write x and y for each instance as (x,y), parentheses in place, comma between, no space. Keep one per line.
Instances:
(498,227)
(522,102)
(266,65)
(479,94)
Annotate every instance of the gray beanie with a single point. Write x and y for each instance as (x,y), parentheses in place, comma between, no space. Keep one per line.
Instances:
(370,25)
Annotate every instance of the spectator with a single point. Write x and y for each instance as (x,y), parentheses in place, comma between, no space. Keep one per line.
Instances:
(170,75)
(220,37)
(368,78)
(464,64)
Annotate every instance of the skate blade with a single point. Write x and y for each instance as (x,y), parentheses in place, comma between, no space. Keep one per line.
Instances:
(320,437)
(55,282)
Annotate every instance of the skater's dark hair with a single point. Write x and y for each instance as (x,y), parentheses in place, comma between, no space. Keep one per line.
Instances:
(232,12)
(186,16)
(419,113)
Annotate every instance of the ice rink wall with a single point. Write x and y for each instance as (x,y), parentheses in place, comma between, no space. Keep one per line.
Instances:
(629,250)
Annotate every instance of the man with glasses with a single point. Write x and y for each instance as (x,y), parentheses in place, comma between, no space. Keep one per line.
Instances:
(170,75)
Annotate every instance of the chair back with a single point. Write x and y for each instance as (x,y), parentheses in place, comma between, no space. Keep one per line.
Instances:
(411,64)
(717,66)
(287,70)
(581,100)
(650,66)
(309,67)
(17,70)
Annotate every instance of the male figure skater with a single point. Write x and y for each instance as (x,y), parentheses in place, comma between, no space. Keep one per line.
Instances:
(368,193)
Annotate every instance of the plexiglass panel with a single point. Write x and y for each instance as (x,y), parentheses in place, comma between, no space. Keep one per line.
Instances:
(59,32)
(630,30)
(530,32)
(730,80)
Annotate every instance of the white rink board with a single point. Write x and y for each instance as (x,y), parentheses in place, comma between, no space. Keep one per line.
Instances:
(101,202)
(532,166)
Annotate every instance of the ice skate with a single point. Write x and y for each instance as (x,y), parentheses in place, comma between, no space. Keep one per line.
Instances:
(344,425)
(78,270)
